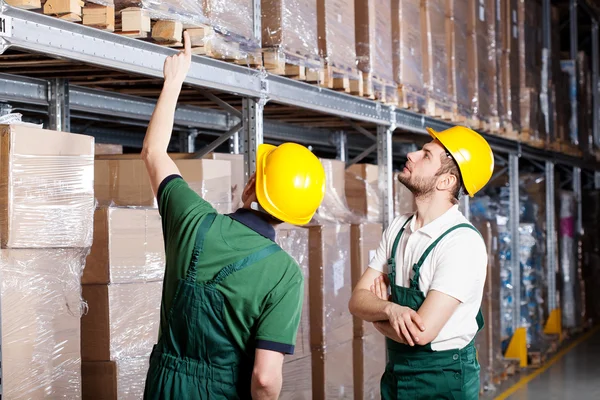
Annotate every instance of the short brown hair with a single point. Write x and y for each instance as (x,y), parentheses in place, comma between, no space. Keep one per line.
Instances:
(449,166)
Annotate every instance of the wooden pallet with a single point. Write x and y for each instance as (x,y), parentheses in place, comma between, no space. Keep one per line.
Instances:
(383,90)
(533,140)
(292,65)
(490,125)
(443,110)
(411,99)
(508,131)
(512,366)
(340,78)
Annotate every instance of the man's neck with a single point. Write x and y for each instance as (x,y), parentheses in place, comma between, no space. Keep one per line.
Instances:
(429,209)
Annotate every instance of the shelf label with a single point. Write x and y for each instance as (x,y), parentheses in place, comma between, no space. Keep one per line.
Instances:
(5,26)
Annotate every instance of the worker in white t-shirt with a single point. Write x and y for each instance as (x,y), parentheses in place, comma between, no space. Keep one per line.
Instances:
(435,262)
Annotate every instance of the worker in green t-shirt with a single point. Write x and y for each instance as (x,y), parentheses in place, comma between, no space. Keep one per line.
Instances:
(231,299)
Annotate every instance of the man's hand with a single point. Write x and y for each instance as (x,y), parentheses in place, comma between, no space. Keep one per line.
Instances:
(380,287)
(177,66)
(406,322)
(386,329)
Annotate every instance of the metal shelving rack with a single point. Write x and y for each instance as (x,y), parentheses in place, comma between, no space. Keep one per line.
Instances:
(36,33)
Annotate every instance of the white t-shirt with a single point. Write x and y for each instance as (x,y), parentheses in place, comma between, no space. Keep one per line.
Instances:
(457,266)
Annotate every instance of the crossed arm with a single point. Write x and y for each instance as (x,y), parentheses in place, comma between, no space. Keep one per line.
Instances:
(370,302)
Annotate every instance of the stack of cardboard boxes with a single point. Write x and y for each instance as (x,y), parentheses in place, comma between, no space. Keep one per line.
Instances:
(123,278)
(47,198)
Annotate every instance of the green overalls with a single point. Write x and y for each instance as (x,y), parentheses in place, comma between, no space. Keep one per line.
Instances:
(196,358)
(419,373)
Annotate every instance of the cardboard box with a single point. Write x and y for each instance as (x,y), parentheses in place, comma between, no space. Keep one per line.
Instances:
(404,200)
(362,191)
(128,247)
(122,321)
(369,365)
(125,182)
(294,241)
(462,58)
(437,36)
(335,27)
(368,345)
(123,379)
(374,38)
(103,148)
(290,26)
(408,51)
(238,176)
(365,239)
(330,320)
(46,188)
(334,207)
(483,61)
(41,308)
(297,379)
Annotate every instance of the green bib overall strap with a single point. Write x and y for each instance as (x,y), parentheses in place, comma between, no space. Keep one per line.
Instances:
(251,259)
(199,246)
(392,259)
(414,282)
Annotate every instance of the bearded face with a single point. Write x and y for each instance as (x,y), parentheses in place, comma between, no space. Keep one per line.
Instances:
(420,186)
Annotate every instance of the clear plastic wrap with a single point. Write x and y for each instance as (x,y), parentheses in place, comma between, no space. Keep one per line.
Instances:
(294,241)
(374,42)
(123,181)
(437,38)
(485,37)
(532,302)
(407,51)
(289,29)
(585,103)
(297,378)
(463,67)
(334,207)
(128,247)
(362,191)
(404,200)
(223,29)
(369,345)
(122,320)
(41,311)
(46,188)
(123,379)
(514,65)
(337,43)
(331,322)
(568,258)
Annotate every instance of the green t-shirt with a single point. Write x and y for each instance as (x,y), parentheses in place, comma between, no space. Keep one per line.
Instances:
(263,301)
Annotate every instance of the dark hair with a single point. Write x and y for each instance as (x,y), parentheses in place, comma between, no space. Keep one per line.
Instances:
(449,166)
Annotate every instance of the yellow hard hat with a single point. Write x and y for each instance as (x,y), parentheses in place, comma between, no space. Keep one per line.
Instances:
(472,153)
(290,182)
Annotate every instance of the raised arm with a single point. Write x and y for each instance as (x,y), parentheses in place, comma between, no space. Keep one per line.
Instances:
(158,134)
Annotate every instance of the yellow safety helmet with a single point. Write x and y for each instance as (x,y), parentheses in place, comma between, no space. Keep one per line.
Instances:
(290,182)
(472,153)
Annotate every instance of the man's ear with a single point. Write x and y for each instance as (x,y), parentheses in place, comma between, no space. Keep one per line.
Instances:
(250,188)
(446,181)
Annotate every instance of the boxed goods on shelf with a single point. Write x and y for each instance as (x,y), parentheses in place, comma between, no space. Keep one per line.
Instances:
(509,86)
(437,42)
(219,29)
(407,54)
(463,86)
(289,36)
(369,351)
(482,62)
(334,207)
(591,254)
(337,44)
(297,375)
(374,49)
(238,177)
(46,230)
(404,201)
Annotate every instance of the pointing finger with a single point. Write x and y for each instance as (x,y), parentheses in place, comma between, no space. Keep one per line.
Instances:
(187,44)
